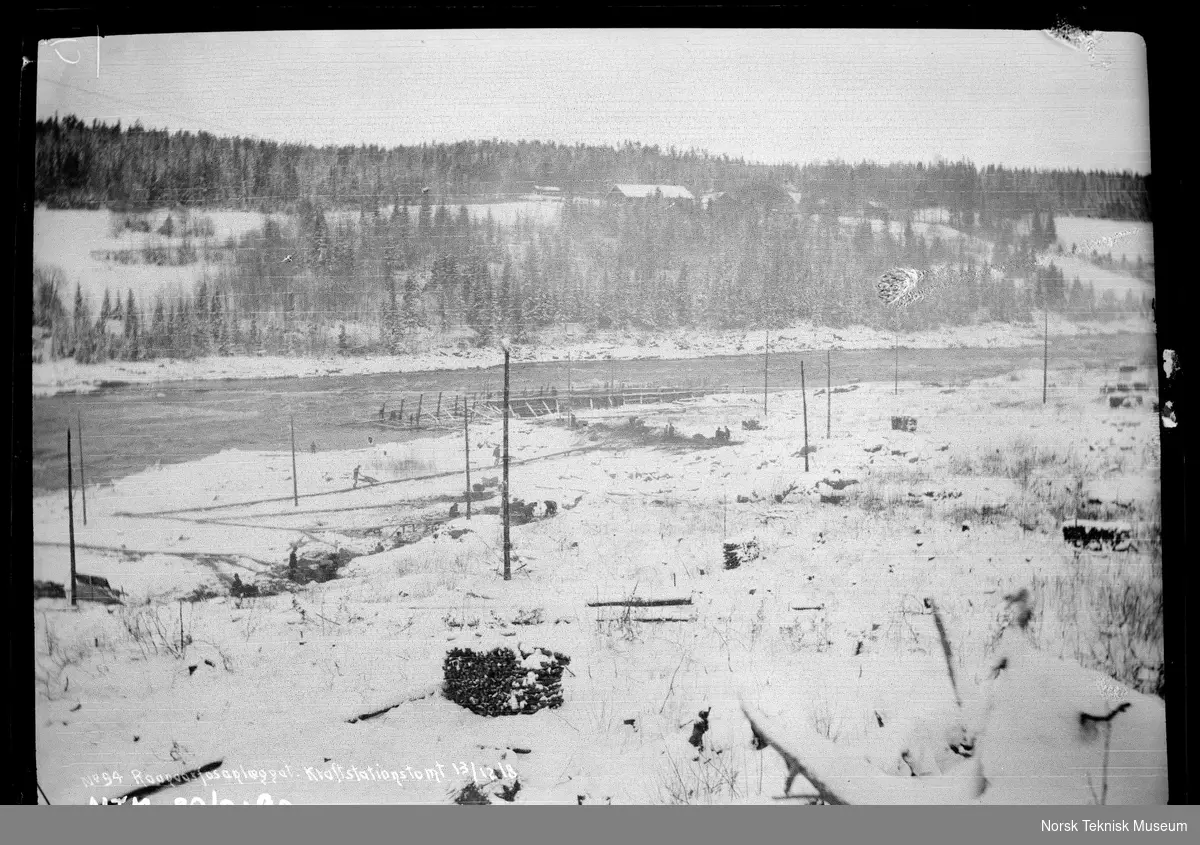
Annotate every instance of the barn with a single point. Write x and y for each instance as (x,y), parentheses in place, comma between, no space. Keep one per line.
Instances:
(628,192)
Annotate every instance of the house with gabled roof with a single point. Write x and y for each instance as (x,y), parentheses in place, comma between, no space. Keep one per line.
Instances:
(627,192)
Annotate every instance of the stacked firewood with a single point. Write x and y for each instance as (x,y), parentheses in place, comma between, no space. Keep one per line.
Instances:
(502,682)
(737,553)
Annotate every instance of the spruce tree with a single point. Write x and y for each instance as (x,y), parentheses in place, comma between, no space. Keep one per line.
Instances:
(200,324)
(158,328)
(80,316)
(105,312)
(216,324)
(131,316)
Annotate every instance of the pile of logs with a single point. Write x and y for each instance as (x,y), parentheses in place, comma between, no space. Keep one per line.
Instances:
(94,588)
(502,682)
(904,424)
(737,553)
(48,590)
(1098,535)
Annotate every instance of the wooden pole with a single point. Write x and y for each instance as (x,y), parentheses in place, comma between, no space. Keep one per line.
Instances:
(828,394)
(295,483)
(420,402)
(467,450)
(1046,356)
(401,411)
(181,626)
(766,360)
(71,514)
(804,400)
(896,388)
(504,485)
(82,479)
(438,413)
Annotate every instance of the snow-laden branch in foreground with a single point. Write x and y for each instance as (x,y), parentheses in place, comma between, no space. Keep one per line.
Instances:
(1045,731)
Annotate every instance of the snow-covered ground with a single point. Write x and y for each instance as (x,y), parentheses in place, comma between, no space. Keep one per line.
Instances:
(827,623)
(66,376)
(1131,238)
(77,240)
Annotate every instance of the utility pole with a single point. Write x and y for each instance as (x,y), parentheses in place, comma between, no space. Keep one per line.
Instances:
(82,479)
(467,451)
(504,485)
(828,395)
(295,483)
(896,388)
(804,400)
(1045,355)
(766,361)
(71,514)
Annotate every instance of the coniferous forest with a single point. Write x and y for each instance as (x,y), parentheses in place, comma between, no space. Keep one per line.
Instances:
(361,247)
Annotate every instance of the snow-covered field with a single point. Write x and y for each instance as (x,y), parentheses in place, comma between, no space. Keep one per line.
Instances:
(827,624)
(1131,238)
(81,243)
(66,376)
(77,240)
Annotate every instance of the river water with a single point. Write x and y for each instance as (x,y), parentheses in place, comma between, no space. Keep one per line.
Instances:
(130,427)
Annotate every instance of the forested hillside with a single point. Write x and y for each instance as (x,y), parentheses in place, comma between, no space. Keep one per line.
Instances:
(82,166)
(388,241)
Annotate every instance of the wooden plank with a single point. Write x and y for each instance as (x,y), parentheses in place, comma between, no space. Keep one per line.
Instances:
(641,603)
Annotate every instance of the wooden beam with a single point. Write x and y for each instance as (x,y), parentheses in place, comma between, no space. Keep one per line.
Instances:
(641,603)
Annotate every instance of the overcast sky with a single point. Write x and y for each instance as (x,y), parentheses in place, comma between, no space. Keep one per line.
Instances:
(1013,98)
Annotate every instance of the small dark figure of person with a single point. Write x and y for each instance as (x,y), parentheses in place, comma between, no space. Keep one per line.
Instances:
(381,407)
(356,469)
(454,511)
(727,434)
(312,447)
(292,563)
(551,507)
(496,457)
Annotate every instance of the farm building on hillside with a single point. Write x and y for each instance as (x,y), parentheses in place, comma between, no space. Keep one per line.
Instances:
(547,191)
(626,192)
(875,210)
